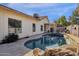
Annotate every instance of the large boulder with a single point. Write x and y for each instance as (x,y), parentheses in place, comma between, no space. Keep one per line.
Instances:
(37,52)
(67,50)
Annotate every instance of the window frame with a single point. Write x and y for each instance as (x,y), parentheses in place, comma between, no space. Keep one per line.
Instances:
(17,25)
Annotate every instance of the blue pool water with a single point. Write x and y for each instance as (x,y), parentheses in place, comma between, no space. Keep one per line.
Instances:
(45,41)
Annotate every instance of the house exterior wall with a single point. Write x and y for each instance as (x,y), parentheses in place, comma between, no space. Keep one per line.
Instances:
(74,30)
(1,25)
(43,22)
(26,23)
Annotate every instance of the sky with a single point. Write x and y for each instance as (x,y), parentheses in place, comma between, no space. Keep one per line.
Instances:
(52,10)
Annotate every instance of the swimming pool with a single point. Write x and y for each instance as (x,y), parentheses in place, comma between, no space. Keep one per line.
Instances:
(45,41)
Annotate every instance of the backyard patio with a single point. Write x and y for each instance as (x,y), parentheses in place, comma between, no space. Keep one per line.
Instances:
(16,48)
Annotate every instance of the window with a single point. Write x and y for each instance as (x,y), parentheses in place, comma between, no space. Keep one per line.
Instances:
(34,27)
(41,27)
(14,26)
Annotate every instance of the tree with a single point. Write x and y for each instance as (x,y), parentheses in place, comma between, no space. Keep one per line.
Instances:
(74,14)
(58,21)
(73,20)
(62,21)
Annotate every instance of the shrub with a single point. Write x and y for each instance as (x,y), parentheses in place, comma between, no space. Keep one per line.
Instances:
(10,38)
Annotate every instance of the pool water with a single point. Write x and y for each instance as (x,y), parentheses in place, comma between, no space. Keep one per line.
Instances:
(44,42)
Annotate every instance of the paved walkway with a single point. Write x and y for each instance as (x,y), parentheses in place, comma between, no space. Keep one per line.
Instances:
(16,48)
(74,38)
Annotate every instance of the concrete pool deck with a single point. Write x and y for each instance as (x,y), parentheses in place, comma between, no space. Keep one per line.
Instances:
(75,39)
(16,48)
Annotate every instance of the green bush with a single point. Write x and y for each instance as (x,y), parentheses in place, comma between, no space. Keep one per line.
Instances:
(10,38)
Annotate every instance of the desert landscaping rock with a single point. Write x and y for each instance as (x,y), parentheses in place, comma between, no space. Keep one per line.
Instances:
(68,50)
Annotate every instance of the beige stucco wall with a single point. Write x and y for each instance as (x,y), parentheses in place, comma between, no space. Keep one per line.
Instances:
(42,22)
(1,25)
(74,31)
(26,23)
